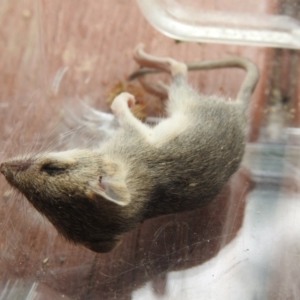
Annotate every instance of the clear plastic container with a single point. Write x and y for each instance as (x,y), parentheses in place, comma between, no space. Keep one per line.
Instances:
(243,245)
(263,23)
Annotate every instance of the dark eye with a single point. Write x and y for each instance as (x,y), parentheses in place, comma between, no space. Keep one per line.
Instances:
(53,169)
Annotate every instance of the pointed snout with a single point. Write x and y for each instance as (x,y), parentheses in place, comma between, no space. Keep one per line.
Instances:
(3,168)
(8,168)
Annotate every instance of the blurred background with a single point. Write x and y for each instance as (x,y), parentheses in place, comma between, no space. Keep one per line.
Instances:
(245,244)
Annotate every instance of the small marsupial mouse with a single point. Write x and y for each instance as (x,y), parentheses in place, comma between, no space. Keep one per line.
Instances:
(92,196)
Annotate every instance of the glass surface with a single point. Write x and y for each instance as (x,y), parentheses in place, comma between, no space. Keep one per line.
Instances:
(243,245)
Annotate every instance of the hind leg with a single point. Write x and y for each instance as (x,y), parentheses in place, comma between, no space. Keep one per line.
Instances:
(245,92)
(178,70)
(165,64)
(181,96)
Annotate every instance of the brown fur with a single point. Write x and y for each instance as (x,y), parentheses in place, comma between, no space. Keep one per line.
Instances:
(92,196)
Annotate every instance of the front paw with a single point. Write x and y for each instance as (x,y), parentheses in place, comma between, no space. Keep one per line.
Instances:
(121,103)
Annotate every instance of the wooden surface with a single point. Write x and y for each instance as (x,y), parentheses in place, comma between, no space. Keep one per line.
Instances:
(56,52)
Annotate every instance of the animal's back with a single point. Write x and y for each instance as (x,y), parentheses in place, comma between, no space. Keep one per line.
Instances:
(190,169)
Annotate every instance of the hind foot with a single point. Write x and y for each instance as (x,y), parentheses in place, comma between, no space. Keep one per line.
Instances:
(166,64)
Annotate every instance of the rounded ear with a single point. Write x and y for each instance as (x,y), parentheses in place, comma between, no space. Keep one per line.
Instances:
(114,190)
(102,246)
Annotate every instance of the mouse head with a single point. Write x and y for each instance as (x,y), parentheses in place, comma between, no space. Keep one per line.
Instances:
(82,192)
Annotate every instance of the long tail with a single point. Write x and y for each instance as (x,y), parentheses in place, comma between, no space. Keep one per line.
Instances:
(248,85)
